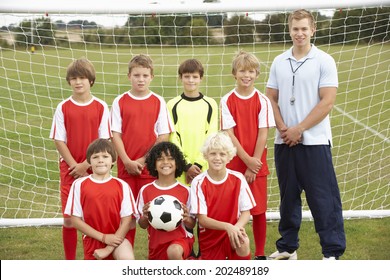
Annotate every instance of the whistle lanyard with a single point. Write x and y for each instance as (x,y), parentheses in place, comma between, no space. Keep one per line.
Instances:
(292,98)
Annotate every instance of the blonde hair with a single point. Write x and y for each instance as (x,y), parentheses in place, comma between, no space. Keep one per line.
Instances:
(245,60)
(141,60)
(301,14)
(219,141)
(81,67)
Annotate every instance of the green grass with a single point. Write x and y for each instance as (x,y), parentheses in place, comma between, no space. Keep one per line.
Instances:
(367,239)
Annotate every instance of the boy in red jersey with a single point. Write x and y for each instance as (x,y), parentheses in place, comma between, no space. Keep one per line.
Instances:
(221,200)
(77,121)
(166,162)
(246,115)
(102,206)
(139,120)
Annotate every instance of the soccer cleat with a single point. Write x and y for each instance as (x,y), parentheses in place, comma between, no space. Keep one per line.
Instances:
(260,258)
(193,256)
(283,256)
(332,258)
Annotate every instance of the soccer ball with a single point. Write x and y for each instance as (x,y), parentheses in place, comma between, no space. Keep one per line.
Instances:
(165,213)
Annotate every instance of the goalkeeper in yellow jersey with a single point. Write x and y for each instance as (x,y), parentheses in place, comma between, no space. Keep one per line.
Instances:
(195,116)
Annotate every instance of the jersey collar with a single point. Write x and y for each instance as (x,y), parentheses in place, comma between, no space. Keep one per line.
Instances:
(185,97)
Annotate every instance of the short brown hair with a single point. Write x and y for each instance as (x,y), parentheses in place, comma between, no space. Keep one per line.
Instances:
(141,60)
(81,67)
(191,66)
(101,145)
(301,14)
(245,60)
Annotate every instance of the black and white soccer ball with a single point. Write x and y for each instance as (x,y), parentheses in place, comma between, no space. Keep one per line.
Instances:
(165,213)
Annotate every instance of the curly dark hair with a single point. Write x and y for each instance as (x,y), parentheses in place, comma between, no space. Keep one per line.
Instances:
(168,148)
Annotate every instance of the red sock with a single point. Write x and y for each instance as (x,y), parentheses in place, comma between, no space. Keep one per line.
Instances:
(259,224)
(69,239)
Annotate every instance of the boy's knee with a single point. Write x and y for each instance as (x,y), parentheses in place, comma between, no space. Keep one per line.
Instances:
(175,252)
(244,250)
(124,256)
(124,251)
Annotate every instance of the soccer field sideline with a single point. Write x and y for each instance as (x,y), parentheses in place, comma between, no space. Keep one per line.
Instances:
(373,131)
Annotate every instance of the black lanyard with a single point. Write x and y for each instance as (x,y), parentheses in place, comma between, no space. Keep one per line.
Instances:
(296,69)
(292,99)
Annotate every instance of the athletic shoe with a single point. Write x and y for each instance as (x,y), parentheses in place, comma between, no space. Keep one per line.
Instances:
(192,256)
(283,256)
(332,258)
(260,258)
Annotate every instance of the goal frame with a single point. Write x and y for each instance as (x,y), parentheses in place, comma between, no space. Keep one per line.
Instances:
(129,7)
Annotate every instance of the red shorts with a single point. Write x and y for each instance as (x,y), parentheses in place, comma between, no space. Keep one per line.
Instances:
(90,245)
(137,182)
(259,191)
(222,251)
(64,190)
(160,252)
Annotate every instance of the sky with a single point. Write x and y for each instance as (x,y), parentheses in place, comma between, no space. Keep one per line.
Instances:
(111,21)
(117,20)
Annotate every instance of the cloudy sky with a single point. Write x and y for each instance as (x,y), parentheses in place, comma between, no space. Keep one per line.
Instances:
(101,19)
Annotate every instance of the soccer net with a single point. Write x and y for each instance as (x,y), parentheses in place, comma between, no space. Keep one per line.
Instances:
(39,39)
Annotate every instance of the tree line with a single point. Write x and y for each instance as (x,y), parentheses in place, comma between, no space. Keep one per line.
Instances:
(357,26)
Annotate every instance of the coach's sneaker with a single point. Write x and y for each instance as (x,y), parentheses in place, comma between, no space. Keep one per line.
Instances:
(283,256)
(332,258)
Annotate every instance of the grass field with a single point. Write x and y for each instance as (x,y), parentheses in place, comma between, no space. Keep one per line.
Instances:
(367,239)
(31,86)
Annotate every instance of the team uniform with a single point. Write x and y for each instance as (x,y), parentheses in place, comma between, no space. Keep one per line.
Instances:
(223,201)
(101,205)
(246,114)
(140,120)
(159,241)
(307,166)
(78,124)
(194,120)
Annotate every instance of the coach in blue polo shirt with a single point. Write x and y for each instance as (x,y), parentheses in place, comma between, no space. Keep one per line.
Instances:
(302,88)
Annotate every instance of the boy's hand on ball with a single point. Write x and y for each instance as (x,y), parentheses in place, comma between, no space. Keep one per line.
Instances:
(145,210)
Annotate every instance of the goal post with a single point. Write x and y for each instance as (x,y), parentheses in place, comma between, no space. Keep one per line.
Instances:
(32,82)
(178,6)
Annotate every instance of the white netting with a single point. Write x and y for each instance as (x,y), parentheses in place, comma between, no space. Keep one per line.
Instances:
(32,83)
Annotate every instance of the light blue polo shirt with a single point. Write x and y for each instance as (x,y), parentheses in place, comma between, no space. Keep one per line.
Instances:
(316,70)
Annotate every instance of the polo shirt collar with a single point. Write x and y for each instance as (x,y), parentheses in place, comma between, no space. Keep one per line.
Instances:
(312,53)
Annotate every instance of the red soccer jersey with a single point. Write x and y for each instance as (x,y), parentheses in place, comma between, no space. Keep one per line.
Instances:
(220,200)
(141,121)
(78,125)
(151,191)
(100,204)
(246,114)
